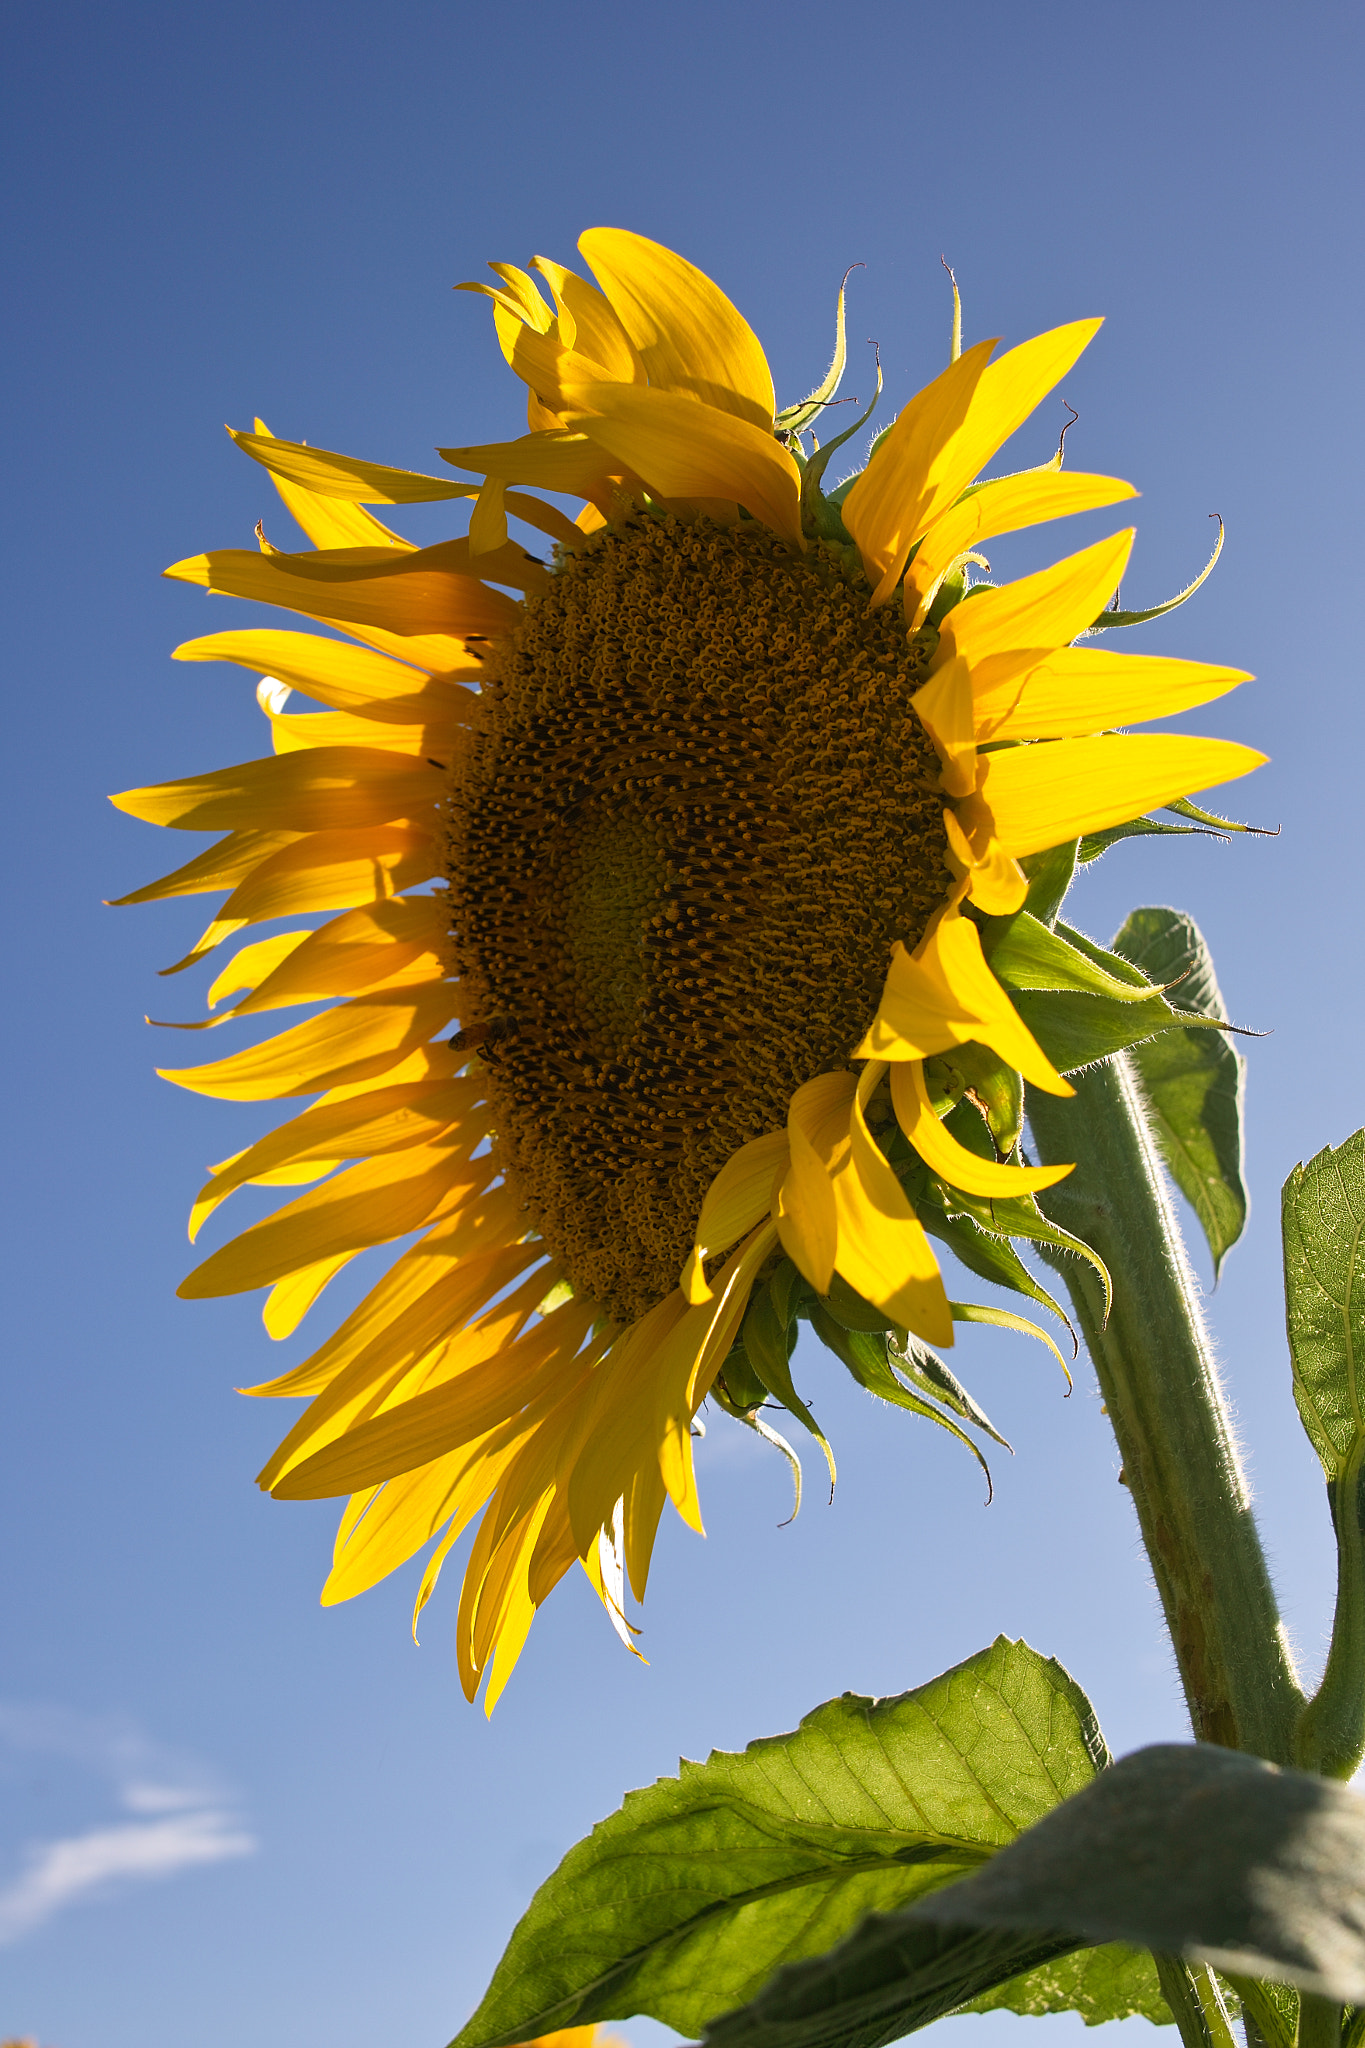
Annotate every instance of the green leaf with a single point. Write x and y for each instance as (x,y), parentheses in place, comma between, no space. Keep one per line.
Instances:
(683,1903)
(1324,1218)
(1194,1080)
(1189,1850)
(1082,1002)
(1197,1851)
(1109,1983)
(869,1359)
(1324,1284)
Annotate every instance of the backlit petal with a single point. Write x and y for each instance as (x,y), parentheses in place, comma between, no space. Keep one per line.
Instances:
(688,335)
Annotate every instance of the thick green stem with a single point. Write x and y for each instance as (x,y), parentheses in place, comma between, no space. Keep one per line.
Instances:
(1319,2022)
(1160,1385)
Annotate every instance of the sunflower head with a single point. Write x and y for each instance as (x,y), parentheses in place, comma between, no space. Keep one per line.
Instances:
(689,887)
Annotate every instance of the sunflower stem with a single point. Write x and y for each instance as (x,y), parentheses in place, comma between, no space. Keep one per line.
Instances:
(1157,1374)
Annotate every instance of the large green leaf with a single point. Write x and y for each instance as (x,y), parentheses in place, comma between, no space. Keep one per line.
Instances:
(1109,1983)
(1324,1281)
(1324,1284)
(1194,1079)
(1189,1850)
(683,1903)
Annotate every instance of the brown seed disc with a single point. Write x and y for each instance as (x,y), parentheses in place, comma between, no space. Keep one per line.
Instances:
(699,811)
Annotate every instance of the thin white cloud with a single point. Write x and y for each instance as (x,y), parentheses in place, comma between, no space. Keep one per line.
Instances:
(188,1819)
(82,1866)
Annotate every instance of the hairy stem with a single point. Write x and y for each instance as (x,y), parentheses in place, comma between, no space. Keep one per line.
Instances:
(1160,1385)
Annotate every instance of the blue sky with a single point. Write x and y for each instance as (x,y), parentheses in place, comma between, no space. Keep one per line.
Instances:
(224,1813)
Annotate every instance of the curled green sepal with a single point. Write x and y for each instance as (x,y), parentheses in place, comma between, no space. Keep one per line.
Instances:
(867,1356)
(814,504)
(1114,617)
(794,419)
(1020,1216)
(767,1335)
(1024,953)
(1096,843)
(1183,808)
(747,1412)
(987,1254)
(1006,1319)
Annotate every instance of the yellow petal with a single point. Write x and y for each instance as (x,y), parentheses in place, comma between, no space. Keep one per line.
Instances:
(883,1250)
(588,324)
(1002,506)
(415,1314)
(942,1153)
(817,1131)
(688,335)
(220,866)
(613,1435)
(739,1197)
(333,871)
(368,1204)
(364,949)
(996,883)
(317,789)
(293,731)
(1023,620)
(333,672)
(1001,400)
(411,1433)
(329,522)
(913,476)
(943,995)
(1034,797)
(354,1040)
(1079,690)
(555,460)
(329,475)
(253,964)
(289,1300)
(430,591)
(389,1119)
(686,451)
(944,706)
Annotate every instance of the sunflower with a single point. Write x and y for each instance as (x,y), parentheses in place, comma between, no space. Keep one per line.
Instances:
(661,881)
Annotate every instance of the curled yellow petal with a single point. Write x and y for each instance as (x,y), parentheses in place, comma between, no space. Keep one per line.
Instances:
(943,995)
(942,1153)
(817,1130)
(739,1197)
(883,1250)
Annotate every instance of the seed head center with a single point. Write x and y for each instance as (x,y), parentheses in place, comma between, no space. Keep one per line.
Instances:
(699,811)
